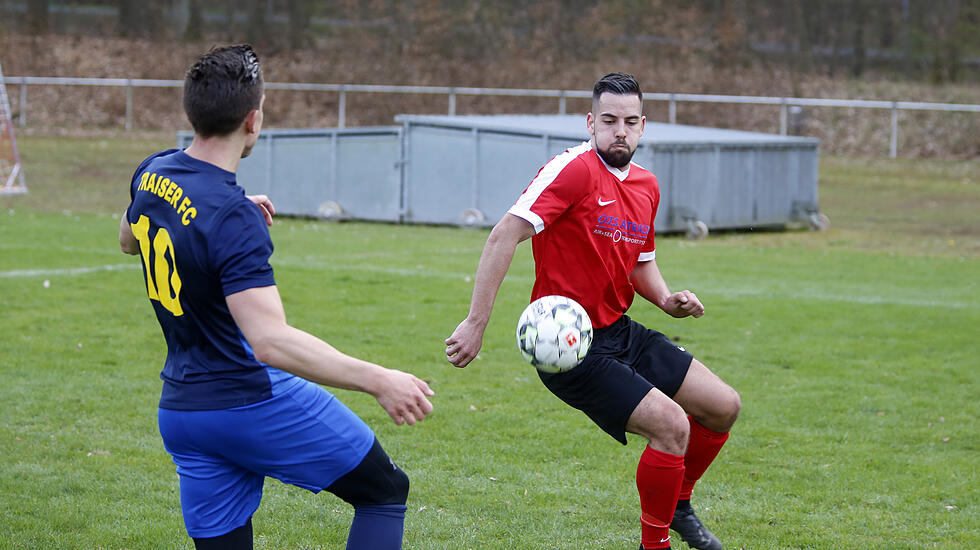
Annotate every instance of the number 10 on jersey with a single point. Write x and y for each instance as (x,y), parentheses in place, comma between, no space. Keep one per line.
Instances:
(162,282)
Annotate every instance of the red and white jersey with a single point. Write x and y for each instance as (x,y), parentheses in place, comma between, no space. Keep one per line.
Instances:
(593,223)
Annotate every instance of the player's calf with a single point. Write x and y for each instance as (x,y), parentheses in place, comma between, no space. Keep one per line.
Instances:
(378,490)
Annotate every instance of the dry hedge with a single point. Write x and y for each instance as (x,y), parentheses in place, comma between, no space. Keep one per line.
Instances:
(851,131)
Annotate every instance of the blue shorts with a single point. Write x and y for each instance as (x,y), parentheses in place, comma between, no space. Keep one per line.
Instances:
(305,437)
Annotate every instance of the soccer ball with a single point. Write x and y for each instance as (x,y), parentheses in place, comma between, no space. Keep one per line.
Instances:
(554,333)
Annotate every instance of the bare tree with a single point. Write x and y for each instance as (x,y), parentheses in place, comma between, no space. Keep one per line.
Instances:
(37,16)
(859,21)
(299,22)
(195,21)
(256,26)
(132,17)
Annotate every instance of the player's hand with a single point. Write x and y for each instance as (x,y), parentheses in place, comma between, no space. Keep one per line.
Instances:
(404,397)
(265,205)
(464,344)
(682,304)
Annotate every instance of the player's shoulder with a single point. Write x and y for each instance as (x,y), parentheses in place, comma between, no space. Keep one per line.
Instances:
(577,154)
(640,174)
(563,166)
(231,206)
(144,166)
(640,170)
(578,160)
(155,156)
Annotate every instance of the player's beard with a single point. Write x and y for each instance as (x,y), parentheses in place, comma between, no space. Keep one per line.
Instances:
(619,158)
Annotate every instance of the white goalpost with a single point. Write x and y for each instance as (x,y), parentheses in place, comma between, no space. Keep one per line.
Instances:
(11,171)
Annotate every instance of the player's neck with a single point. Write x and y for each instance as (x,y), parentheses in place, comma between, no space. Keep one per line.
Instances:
(225,152)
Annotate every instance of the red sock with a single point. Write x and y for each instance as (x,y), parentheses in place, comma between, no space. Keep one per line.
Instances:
(702,448)
(658,479)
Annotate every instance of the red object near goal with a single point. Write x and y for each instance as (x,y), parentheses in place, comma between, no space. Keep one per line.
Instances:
(11,170)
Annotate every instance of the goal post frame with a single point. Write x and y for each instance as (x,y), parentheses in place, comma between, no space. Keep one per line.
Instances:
(11,169)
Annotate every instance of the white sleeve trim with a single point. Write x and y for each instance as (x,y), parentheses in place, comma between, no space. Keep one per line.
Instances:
(647,256)
(528,216)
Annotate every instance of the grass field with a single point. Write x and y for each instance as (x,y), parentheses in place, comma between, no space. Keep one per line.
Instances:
(855,351)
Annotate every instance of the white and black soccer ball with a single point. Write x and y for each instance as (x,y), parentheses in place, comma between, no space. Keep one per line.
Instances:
(554,333)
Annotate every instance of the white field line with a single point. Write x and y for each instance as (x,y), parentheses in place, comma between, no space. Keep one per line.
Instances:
(728,292)
(423,271)
(88,250)
(867,299)
(418,271)
(71,271)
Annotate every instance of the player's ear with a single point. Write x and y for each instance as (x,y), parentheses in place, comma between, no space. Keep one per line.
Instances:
(253,121)
(250,119)
(590,123)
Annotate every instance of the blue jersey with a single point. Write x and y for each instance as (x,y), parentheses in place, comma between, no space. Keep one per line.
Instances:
(201,239)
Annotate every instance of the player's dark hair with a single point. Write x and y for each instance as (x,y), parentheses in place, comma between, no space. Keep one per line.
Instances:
(617,83)
(221,88)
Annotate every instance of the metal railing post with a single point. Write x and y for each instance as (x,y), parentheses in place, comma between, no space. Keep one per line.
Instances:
(22,117)
(129,104)
(561,103)
(672,110)
(452,102)
(342,108)
(893,142)
(783,117)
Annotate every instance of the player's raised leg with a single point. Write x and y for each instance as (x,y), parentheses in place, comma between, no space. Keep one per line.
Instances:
(661,468)
(713,407)
(378,491)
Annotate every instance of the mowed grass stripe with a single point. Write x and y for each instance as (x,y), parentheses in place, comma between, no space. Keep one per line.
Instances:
(854,352)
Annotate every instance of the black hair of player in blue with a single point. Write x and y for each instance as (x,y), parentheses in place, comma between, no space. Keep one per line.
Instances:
(616,83)
(221,88)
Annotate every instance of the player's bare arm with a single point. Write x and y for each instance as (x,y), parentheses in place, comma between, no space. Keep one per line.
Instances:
(650,284)
(127,241)
(262,319)
(466,341)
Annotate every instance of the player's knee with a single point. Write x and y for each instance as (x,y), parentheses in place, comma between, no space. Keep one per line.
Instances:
(375,481)
(724,408)
(675,432)
(389,485)
(668,430)
(730,408)
(399,486)
(736,406)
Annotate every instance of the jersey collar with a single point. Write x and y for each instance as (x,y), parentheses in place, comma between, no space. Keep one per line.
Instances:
(620,174)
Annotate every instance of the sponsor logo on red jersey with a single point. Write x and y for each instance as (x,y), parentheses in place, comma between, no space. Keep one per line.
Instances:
(621,229)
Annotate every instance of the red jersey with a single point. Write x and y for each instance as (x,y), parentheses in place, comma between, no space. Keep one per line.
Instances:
(593,223)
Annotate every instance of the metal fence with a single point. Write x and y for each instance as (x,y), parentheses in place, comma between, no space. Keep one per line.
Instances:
(451,93)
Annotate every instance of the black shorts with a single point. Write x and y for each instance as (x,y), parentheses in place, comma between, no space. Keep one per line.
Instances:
(625,362)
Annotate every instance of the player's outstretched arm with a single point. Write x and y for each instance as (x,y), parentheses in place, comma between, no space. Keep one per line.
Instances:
(650,284)
(465,342)
(265,205)
(261,318)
